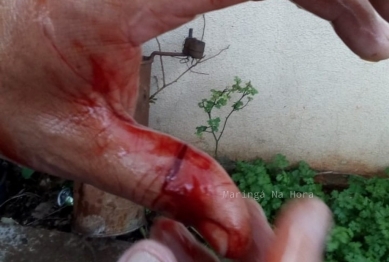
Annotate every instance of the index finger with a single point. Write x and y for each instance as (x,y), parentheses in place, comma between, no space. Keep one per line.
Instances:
(160,16)
(357,23)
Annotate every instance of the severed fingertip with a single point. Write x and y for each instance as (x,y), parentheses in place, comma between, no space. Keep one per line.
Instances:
(301,231)
(180,241)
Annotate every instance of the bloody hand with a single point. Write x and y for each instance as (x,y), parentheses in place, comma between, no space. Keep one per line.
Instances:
(68,83)
(299,236)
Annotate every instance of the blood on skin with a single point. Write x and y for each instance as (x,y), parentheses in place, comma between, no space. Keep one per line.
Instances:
(170,226)
(102,75)
(117,83)
(189,186)
(189,182)
(177,164)
(180,238)
(165,147)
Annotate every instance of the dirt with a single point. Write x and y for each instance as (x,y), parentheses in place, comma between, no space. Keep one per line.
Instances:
(33,202)
(25,244)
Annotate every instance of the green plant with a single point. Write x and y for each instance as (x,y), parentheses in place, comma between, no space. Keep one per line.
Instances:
(275,183)
(361,214)
(27,172)
(220,99)
(361,211)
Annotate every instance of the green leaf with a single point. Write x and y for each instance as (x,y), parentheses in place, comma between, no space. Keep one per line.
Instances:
(214,124)
(27,173)
(200,130)
(279,162)
(221,98)
(237,105)
(221,102)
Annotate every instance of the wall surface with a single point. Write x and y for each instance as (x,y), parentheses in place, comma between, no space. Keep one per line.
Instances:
(317,101)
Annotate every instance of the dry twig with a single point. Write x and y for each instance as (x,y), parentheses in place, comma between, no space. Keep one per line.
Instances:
(189,69)
(19,196)
(183,60)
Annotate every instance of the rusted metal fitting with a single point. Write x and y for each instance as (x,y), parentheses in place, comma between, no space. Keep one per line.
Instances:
(192,48)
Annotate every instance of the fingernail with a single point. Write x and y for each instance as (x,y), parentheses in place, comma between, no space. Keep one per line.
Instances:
(142,256)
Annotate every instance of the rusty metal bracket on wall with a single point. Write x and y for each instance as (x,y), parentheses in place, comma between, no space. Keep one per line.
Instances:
(192,48)
(99,214)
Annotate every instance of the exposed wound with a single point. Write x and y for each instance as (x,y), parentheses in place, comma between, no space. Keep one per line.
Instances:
(177,164)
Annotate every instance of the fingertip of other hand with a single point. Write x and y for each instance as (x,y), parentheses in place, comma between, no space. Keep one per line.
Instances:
(148,251)
(301,230)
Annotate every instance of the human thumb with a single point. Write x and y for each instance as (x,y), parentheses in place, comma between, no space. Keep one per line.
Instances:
(301,231)
(148,251)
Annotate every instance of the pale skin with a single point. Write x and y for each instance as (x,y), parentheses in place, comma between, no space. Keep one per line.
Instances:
(68,81)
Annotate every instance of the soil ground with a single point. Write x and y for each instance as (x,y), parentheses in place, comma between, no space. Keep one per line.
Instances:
(33,227)
(25,244)
(33,202)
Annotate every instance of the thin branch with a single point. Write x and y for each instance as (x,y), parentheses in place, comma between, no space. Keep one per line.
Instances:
(204,25)
(228,116)
(202,60)
(196,72)
(189,69)
(224,125)
(156,81)
(199,73)
(213,132)
(43,218)
(248,101)
(18,196)
(175,80)
(161,60)
(211,57)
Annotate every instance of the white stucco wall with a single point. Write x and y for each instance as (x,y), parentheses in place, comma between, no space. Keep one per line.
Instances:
(317,101)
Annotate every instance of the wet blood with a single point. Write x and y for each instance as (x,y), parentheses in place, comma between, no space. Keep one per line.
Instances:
(102,75)
(191,187)
(177,163)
